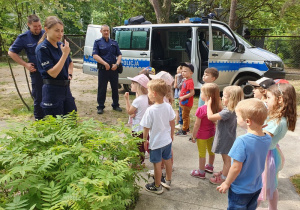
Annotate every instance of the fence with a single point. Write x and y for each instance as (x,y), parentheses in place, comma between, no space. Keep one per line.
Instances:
(287,47)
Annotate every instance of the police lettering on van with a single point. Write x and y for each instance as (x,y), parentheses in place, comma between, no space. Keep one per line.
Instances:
(208,43)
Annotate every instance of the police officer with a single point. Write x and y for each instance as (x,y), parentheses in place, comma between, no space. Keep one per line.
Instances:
(56,68)
(28,41)
(108,55)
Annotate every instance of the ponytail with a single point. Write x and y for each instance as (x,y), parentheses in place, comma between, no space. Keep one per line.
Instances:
(42,38)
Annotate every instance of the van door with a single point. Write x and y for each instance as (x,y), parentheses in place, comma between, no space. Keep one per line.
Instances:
(134,45)
(221,53)
(89,63)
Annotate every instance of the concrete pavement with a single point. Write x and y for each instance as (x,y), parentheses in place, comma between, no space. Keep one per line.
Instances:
(188,192)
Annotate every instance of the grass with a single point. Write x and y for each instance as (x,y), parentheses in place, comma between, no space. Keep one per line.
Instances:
(296,182)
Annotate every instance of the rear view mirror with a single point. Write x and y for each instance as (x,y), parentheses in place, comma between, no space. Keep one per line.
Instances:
(241,48)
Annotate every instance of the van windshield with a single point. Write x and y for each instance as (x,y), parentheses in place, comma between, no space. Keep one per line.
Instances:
(243,41)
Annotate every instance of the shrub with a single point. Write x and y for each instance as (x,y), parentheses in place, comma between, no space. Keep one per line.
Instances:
(68,163)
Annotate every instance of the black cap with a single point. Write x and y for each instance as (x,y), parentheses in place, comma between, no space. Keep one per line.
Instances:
(189,65)
(263,82)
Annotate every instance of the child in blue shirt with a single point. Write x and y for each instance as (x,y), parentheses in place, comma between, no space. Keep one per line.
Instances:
(248,154)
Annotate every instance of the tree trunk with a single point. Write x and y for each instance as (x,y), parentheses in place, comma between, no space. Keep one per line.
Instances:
(162,10)
(232,16)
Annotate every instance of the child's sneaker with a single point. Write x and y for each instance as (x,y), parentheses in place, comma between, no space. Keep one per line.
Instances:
(181,133)
(216,180)
(166,184)
(197,174)
(150,187)
(209,169)
(178,126)
(217,173)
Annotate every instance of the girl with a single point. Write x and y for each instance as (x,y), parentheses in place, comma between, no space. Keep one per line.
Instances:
(138,107)
(281,102)
(204,129)
(56,68)
(226,129)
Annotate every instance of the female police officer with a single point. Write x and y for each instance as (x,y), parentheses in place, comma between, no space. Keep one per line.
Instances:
(56,68)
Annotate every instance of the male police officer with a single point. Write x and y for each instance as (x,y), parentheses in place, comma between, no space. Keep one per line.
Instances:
(108,55)
(28,41)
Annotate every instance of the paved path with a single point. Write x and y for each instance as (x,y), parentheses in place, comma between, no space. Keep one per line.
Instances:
(191,193)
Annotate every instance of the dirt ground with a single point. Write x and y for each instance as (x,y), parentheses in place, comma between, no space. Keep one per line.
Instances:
(83,88)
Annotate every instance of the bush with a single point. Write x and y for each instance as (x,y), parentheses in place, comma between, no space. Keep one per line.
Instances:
(68,163)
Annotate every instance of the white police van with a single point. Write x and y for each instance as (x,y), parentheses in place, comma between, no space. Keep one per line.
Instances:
(208,43)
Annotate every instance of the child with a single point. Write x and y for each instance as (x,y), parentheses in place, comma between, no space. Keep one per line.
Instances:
(204,129)
(209,76)
(186,97)
(138,107)
(177,87)
(159,119)
(248,155)
(281,102)
(260,87)
(148,71)
(169,81)
(226,129)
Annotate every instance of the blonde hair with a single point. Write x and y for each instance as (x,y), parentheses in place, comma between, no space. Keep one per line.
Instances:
(236,94)
(211,90)
(253,109)
(141,90)
(288,108)
(169,94)
(49,23)
(159,86)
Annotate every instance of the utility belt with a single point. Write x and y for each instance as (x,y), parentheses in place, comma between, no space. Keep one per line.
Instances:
(56,82)
(102,67)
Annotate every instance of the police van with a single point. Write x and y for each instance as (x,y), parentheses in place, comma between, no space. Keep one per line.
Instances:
(205,43)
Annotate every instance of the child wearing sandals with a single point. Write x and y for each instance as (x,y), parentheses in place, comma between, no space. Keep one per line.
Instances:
(226,128)
(204,129)
(282,116)
(138,107)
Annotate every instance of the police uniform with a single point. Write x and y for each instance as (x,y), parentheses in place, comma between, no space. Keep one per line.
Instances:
(108,51)
(28,41)
(57,97)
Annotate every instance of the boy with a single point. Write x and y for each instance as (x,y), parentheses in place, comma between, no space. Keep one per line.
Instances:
(177,87)
(260,87)
(248,155)
(159,119)
(209,76)
(186,96)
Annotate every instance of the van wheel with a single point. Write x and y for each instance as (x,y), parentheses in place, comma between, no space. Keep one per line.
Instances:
(247,88)
(127,88)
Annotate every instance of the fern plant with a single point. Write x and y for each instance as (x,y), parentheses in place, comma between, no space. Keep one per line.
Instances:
(68,163)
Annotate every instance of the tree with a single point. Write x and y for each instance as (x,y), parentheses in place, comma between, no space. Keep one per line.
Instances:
(162,10)
(232,16)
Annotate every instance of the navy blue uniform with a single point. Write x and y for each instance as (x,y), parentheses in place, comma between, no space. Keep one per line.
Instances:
(28,41)
(108,51)
(57,97)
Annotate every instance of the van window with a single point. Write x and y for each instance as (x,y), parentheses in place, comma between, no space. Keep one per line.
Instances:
(132,38)
(221,41)
(177,39)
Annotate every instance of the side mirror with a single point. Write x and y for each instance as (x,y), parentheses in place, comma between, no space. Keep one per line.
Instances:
(241,48)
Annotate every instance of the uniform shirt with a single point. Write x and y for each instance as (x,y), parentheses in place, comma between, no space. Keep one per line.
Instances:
(186,88)
(251,150)
(157,117)
(47,57)
(27,41)
(107,50)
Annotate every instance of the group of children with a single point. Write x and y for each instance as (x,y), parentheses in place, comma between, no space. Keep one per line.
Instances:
(251,161)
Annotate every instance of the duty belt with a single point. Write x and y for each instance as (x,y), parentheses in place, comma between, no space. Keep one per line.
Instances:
(56,82)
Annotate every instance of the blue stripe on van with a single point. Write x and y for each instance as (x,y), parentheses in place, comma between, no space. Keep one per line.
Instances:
(229,66)
(90,59)
(135,63)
